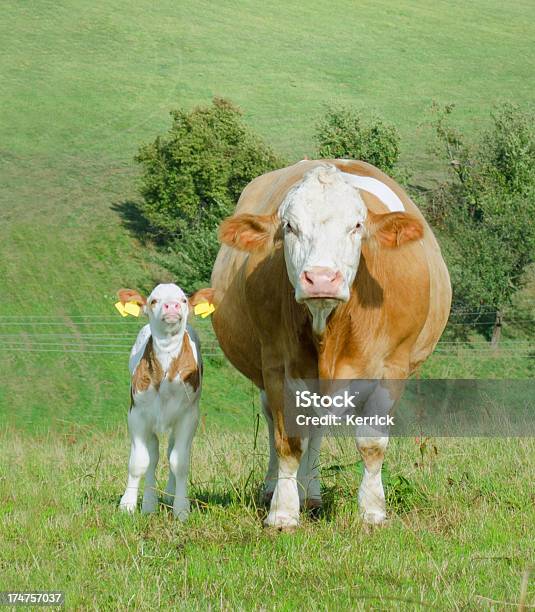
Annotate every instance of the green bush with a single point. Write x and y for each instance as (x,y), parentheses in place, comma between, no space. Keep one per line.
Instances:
(192,177)
(345,133)
(485,210)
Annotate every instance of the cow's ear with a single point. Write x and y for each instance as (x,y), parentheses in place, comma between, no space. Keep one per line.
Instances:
(131,295)
(394,229)
(202,295)
(247,232)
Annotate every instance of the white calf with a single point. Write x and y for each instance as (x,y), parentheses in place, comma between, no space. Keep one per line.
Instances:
(166,369)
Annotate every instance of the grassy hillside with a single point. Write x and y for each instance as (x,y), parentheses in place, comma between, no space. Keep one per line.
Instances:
(85,84)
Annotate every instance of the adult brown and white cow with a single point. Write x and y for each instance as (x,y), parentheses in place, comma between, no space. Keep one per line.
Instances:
(328,270)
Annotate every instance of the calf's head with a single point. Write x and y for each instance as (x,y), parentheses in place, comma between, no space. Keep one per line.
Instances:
(167,306)
(322,223)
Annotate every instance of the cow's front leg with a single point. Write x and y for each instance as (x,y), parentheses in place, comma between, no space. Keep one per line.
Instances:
(372,502)
(284,510)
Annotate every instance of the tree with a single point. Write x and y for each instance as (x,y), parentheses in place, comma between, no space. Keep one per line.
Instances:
(191,178)
(345,132)
(485,210)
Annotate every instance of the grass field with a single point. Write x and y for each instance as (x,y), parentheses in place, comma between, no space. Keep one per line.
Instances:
(83,85)
(460,535)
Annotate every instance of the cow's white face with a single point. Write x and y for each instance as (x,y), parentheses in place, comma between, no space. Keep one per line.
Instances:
(323,221)
(323,225)
(167,309)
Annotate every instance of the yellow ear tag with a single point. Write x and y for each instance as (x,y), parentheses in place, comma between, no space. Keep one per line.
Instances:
(201,308)
(210,310)
(121,309)
(204,309)
(132,308)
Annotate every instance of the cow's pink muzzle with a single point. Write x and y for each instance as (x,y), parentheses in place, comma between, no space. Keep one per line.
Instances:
(320,282)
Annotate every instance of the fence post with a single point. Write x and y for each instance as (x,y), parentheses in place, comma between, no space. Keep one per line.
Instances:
(497,331)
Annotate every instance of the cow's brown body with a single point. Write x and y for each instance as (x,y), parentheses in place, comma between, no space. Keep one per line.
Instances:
(397,310)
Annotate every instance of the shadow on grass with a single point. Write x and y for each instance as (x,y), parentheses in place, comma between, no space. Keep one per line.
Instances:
(133,220)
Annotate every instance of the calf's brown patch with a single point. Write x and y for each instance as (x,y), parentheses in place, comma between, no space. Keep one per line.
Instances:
(185,366)
(149,371)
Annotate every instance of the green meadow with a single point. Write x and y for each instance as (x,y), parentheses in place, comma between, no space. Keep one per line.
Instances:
(82,86)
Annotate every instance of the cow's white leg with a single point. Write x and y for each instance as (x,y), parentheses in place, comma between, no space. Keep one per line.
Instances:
(137,466)
(150,494)
(169,496)
(284,510)
(179,459)
(273,466)
(308,480)
(372,502)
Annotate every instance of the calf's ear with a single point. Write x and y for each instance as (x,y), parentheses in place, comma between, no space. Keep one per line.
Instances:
(394,229)
(247,232)
(131,295)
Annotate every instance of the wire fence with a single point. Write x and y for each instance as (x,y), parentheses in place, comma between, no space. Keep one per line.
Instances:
(107,334)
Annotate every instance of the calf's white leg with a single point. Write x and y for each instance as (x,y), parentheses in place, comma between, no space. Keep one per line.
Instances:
(179,459)
(150,494)
(170,489)
(137,467)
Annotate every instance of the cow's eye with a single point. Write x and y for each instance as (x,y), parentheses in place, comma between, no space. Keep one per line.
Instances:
(184,300)
(153,302)
(289,229)
(357,227)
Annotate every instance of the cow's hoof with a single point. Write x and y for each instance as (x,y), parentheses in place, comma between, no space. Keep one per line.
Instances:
(266,499)
(312,504)
(374,518)
(281,521)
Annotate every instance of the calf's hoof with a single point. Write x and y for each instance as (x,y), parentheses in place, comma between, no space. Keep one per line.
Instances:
(149,507)
(128,506)
(181,513)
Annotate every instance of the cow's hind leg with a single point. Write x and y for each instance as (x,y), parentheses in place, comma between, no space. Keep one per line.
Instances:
(273,467)
(372,444)
(308,476)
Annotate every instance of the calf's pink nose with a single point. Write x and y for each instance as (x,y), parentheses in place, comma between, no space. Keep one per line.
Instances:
(319,281)
(171,308)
